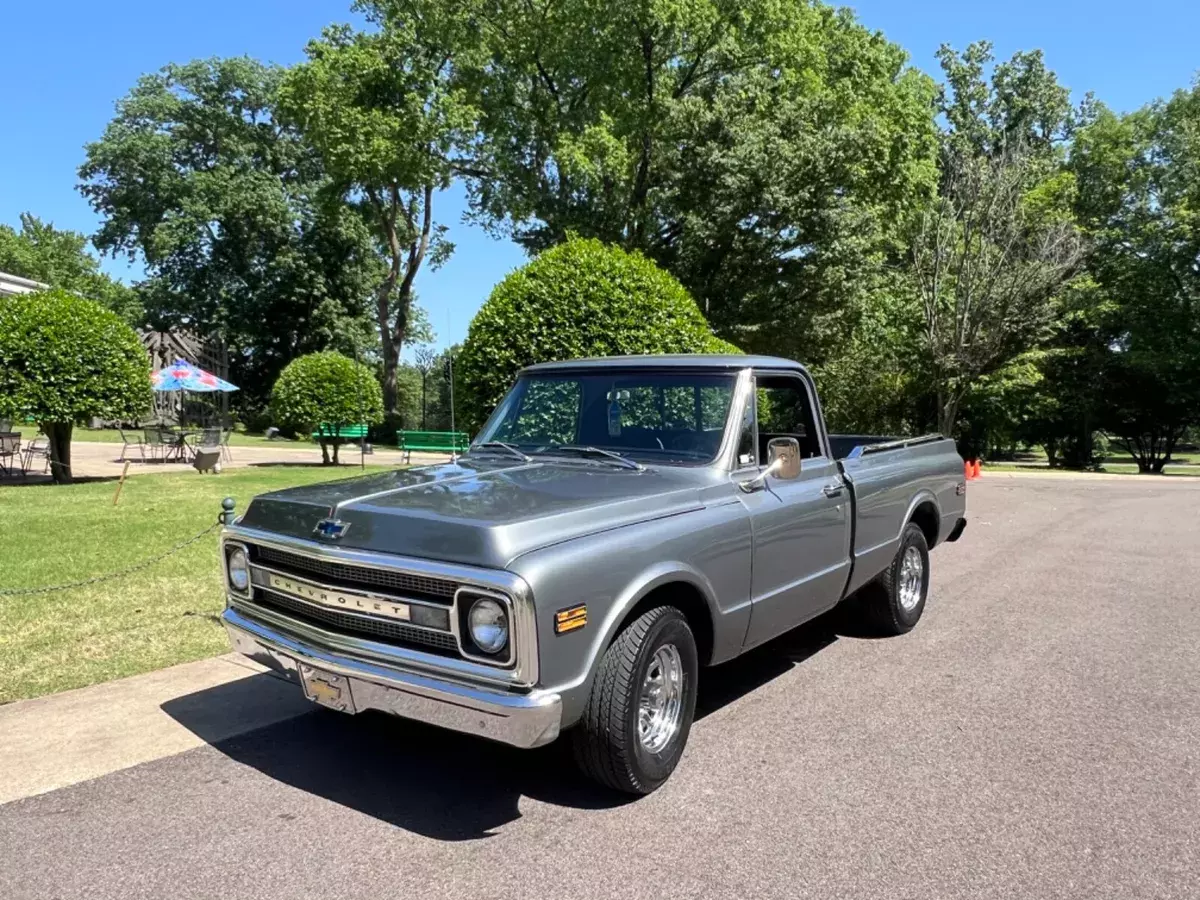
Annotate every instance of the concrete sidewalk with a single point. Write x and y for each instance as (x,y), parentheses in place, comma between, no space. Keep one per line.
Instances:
(63,739)
(101,460)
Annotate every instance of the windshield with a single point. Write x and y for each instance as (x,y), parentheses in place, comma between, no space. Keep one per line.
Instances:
(655,416)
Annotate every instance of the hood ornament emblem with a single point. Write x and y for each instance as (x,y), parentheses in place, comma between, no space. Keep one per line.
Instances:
(331,528)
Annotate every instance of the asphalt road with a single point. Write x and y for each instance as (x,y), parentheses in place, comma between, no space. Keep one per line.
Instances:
(1037,736)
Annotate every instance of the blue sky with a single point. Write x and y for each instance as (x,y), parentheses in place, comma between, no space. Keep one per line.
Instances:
(65,64)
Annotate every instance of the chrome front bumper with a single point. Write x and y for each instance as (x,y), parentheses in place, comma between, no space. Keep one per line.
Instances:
(522,720)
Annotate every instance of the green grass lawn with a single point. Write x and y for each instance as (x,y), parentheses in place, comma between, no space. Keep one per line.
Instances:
(1116,463)
(163,615)
(1118,468)
(1115,458)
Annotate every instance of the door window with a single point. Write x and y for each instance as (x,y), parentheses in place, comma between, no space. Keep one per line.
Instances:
(784,410)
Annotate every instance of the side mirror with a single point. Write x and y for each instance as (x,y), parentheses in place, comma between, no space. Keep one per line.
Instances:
(783,462)
(783,458)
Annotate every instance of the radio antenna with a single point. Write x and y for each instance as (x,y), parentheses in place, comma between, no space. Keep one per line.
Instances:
(453,433)
(450,370)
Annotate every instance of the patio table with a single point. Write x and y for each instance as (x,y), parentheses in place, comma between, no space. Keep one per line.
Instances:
(183,450)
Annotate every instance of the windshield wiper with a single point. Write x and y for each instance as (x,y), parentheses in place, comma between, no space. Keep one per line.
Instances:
(597,451)
(502,445)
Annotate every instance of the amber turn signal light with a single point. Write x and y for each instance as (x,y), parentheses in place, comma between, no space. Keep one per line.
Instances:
(570,619)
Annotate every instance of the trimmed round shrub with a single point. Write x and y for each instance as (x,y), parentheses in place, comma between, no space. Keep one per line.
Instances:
(581,298)
(326,393)
(65,359)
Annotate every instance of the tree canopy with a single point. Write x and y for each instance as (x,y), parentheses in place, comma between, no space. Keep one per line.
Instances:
(198,176)
(761,152)
(383,114)
(65,359)
(978,255)
(1139,190)
(60,258)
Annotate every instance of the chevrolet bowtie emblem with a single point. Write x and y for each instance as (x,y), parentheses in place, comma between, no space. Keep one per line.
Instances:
(331,528)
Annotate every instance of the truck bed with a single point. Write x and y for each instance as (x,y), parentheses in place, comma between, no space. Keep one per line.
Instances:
(894,480)
(845,446)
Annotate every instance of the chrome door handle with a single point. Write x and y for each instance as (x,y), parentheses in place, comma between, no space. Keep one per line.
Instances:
(834,489)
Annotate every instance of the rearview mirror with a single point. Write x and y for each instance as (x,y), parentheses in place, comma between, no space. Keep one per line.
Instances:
(783,458)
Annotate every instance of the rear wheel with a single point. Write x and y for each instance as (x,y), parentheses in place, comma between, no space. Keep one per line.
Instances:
(640,710)
(895,603)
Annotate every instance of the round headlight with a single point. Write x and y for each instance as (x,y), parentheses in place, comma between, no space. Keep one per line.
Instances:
(239,570)
(488,623)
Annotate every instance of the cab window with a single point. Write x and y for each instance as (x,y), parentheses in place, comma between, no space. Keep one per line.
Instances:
(784,410)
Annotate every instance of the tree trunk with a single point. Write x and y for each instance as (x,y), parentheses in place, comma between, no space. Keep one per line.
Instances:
(948,412)
(401,273)
(1051,447)
(391,365)
(324,453)
(58,436)
(424,381)
(336,444)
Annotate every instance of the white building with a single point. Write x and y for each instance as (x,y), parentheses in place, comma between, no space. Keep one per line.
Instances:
(12,284)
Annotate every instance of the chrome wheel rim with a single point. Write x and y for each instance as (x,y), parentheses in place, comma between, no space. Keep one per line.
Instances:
(912,572)
(661,704)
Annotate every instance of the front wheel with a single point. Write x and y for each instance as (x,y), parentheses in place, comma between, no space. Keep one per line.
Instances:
(640,710)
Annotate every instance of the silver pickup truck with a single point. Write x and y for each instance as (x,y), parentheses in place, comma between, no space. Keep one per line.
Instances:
(616,525)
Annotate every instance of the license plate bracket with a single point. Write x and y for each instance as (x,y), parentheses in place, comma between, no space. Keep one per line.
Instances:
(327,689)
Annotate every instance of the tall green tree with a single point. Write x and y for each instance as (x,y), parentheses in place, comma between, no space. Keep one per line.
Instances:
(762,152)
(384,113)
(199,176)
(992,251)
(1139,197)
(60,258)
(989,109)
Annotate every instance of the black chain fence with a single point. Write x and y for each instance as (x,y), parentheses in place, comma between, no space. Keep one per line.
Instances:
(111,576)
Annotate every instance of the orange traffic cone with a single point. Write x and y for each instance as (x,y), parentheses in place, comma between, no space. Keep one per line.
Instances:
(978,470)
(968,470)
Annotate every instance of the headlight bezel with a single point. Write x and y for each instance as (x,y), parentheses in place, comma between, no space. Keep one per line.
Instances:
(229,550)
(465,600)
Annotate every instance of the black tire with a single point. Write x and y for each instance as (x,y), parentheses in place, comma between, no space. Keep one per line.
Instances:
(881,602)
(606,743)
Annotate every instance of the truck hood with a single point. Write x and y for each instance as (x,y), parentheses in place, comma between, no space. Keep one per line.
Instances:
(482,511)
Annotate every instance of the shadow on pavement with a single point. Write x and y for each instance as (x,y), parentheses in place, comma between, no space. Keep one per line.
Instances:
(442,784)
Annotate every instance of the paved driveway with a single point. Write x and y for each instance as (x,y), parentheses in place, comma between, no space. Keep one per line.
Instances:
(1037,736)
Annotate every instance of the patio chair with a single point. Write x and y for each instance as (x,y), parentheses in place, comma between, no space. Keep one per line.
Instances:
(131,439)
(155,443)
(38,448)
(207,439)
(226,453)
(10,450)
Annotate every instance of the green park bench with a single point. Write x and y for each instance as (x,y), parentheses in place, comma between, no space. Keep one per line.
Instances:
(345,432)
(432,442)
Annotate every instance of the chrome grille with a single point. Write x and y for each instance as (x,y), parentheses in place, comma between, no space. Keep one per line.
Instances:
(353,625)
(350,576)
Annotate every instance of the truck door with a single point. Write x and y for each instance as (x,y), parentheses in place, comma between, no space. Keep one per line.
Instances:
(800,526)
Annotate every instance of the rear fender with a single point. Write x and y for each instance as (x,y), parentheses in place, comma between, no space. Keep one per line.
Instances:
(923,496)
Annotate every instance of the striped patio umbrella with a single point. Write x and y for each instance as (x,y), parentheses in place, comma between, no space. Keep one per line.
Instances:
(183,376)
